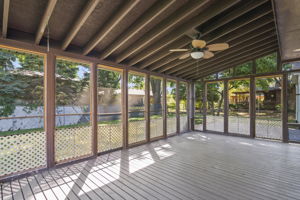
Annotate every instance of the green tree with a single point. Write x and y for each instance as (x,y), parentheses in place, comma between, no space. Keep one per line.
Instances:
(156,86)
(108,79)
(182,95)
(266,64)
(72,79)
(136,81)
(243,69)
(215,95)
(21,81)
(263,65)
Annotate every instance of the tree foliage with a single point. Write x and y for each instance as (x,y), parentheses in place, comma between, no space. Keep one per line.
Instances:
(72,80)
(182,96)
(108,79)
(21,81)
(136,81)
(265,64)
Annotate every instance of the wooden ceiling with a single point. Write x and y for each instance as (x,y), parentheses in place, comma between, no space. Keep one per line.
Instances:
(288,18)
(140,33)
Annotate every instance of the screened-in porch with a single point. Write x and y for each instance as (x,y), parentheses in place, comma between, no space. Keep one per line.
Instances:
(131,99)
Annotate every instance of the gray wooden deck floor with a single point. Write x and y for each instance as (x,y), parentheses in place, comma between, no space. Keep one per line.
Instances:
(190,166)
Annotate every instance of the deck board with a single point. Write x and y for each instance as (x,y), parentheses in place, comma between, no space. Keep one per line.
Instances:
(190,166)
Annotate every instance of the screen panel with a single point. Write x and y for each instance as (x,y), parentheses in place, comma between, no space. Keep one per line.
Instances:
(215,107)
(73,133)
(136,108)
(171,107)
(109,108)
(183,106)
(268,120)
(294,105)
(22,134)
(239,106)
(199,97)
(156,107)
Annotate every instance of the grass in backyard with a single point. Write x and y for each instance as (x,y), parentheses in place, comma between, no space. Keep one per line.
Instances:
(19,132)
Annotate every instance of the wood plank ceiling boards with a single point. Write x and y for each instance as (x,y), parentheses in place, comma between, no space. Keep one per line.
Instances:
(139,34)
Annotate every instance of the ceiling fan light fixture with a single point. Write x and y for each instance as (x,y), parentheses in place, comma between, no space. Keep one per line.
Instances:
(197,54)
(296,50)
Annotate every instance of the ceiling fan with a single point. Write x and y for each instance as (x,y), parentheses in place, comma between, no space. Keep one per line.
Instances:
(199,49)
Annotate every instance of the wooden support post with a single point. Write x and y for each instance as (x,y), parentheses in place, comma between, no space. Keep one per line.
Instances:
(284,101)
(147,106)
(164,104)
(5,17)
(204,106)
(279,64)
(253,67)
(94,111)
(192,106)
(125,107)
(177,108)
(252,108)
(50,108)
(226,106)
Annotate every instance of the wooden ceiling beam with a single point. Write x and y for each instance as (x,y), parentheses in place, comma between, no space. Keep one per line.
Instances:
(233,44)
(156,10)
(239,62)
(5,18)
(170,68)
(266,20)
(243,34)
(203,17)
(240,22)
(45,19)
(176,63)
(236,49)
(240,57)
(113,21)
(148,59)
(243,9)
(190,66)
(162,59)
(232,58)
(228,35)
(86,12)
(230,55)
(161,28)
(233,63)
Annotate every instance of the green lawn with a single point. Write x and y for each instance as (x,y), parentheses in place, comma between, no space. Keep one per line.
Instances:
(24,131)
